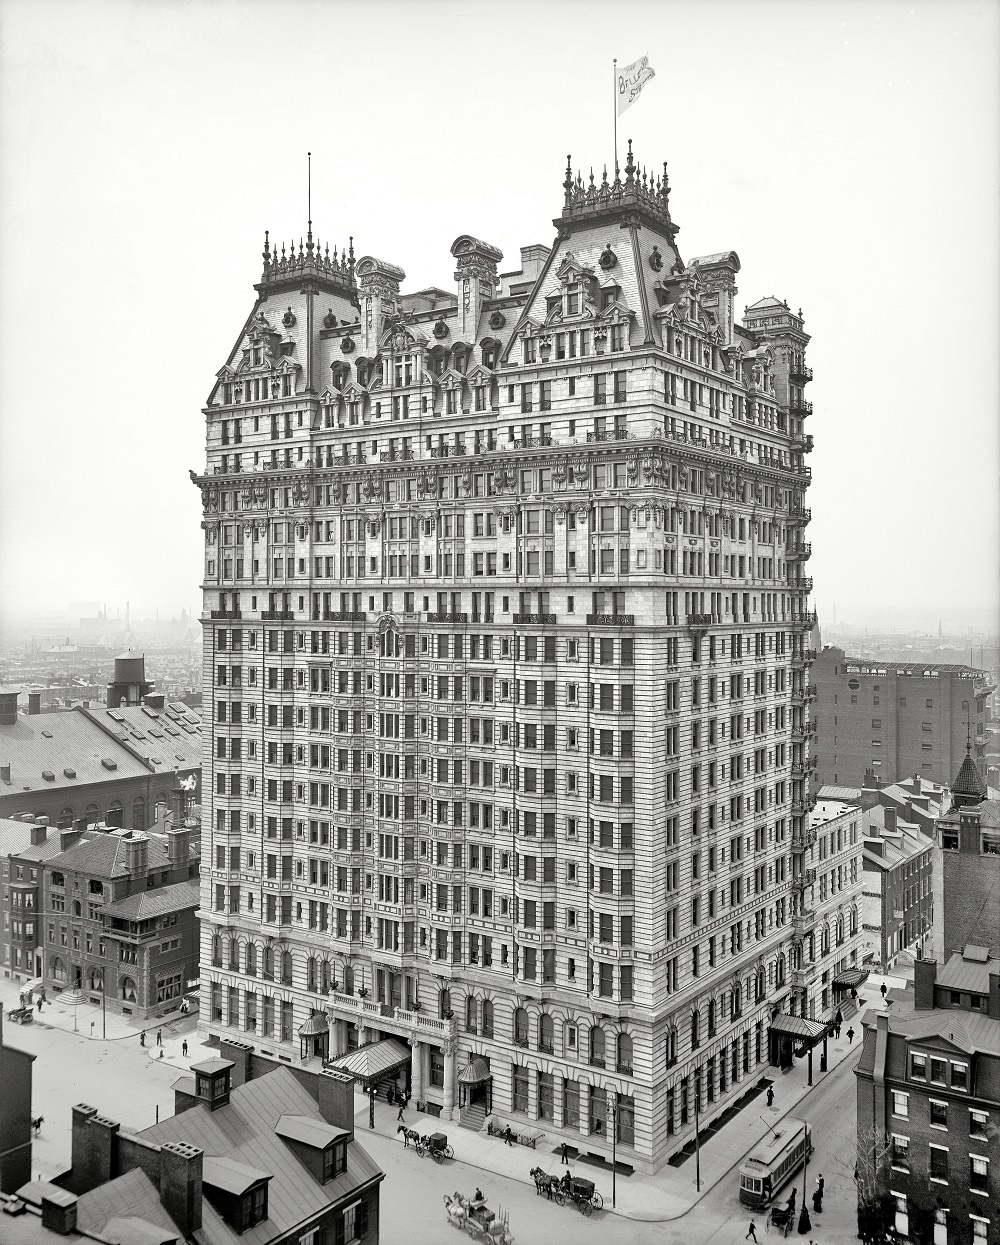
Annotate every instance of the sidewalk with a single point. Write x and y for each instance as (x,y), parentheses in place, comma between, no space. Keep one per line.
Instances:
(671,1192)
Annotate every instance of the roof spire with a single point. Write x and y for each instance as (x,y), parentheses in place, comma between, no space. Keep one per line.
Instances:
(568,180)
(309,201)
(267,251)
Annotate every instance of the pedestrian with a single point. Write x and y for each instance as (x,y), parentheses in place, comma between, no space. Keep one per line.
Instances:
(752,1233)
(399,1113)
(39,1004)
(882,991)
(508,1137)
(142,1038)
(818,1201)
(770,1095)
(159,1037)
(565,1152)
(836,1032)
(184,1048)
(820,1184)
(850,1036)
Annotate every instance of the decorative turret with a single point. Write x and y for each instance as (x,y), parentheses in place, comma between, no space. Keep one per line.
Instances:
(477,277)
(968,788)
(310,262)
(378,288)
(646,194)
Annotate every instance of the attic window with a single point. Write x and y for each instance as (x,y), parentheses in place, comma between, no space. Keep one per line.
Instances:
(109,763)
(48,775)
(150,713)
(113,713)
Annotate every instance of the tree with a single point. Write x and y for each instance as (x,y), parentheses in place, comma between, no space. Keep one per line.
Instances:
(876,1205)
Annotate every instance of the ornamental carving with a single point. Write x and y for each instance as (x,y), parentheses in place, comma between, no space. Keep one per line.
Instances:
(374,526)
(440,329)
(249,530)
(631,470)
(246,496)
(497,320)
(211,532)
(503,478)
(387,622)
(426,482)
(288,319)
(275,387)
(330,320)
(449,1046)
(583,511)
(370,486)
(559,473)
(467,481)
(608,258)
(347,345)
(259,494)
(210,497)
(560,513)
(655,259)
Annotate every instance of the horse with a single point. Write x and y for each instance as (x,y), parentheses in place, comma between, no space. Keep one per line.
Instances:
(409,1134)
(456,1210)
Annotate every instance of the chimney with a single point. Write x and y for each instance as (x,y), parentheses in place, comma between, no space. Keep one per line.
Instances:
(136,855)
(238,1053)
(178,842)
(34,703)
(68,837)
(924,976)
(59,1211)
(155,700)
(890,819)
(5,774)
(336,1099)
(180,1185)
(993,1005)
(94,1149)
(39,833)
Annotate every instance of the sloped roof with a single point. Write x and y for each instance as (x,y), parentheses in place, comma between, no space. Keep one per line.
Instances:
(311,1132)
(371,1062)
(244,1132)
(832,792)
(230,1176)
(148,904)
(969,783)
(167,739)
(15,840)
(132,1196)
(965,973)
(56,742)
(970,1032)
(104,855)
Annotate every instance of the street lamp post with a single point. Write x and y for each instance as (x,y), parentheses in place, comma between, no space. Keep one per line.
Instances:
(371,1105)
(805,1223)
(613,1110)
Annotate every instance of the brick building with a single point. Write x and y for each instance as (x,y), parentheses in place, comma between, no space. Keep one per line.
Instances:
(967,868)
(121,918)
(15,1115)
(115,766)
(273,1161)
(506,640)
(895,718)
(928,1087)
(898,901)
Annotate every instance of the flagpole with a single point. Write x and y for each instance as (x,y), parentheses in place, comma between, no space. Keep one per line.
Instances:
(615,92)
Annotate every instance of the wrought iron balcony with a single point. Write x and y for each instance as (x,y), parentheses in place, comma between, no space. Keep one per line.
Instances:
(611,434)
(226,614)
(803,839)
(610,620)
(395,456)
(802,551)
(277,615)
(544,620)
(799,374)
(448,618)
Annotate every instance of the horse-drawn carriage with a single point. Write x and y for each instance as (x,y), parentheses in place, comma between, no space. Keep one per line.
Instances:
(781,1218)
(21,1015)
(568,1188)
(472,1215)
(434,1144)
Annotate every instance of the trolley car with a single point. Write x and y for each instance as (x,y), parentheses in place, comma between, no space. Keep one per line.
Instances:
(773,1161)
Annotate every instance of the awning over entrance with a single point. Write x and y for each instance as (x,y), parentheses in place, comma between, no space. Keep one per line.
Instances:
(808,1031)
(370,1064)
(315,1024)
(475,1072)
(850,978)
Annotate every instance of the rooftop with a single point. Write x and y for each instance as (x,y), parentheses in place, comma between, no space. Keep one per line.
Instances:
(148,904)
(829,810)
(63,750)
(969,970)
(104,855)
(971,1032)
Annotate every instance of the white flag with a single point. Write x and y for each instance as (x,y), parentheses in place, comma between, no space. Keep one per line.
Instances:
(631,80)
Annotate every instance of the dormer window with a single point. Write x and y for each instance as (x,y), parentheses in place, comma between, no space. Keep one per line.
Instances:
(258,356)
(362,373)
(254,1206)
(573,300)
(334,1160)
(609,296)
(528,351)
(490,356)
(227,395)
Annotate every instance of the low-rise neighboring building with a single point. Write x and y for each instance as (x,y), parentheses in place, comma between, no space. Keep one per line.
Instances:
(928,1094)
(967,868)
(15,1116)
(273,1162)
(897,903)
(121,917)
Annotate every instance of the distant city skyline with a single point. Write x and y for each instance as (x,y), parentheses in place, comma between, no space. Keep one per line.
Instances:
(835,199)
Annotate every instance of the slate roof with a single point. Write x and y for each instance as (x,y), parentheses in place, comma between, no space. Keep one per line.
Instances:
(15,840)
(972,1032)
(148,904)
(243,1131)
(104,855)
(969,783)
(967,974)
(133,1196)
(55,742)
(833,792)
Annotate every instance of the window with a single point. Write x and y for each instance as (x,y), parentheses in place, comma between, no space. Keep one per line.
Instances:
(900,1153)
(978,1123)
(979,1174)
(918,1067)
(938,1114)
(519,1093)
(938,1072)
(939,1164)
(900,1105)
(960,1076)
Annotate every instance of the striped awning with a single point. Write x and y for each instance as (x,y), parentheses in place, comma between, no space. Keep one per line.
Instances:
(475,1072)
(316,1024)
(850,978)
(799,1027)
(370,1064)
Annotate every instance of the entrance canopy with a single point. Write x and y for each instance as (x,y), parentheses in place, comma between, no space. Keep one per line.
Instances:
(475,1072)
(806,1031)
(374,1062)
(850,978)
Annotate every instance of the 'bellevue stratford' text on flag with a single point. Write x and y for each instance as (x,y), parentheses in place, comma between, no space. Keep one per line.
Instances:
(631,79)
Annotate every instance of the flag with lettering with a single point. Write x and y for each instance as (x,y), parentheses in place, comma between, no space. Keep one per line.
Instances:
(631,79)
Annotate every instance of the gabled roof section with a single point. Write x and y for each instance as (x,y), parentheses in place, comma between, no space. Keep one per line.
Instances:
(309,1131)
(230,1176)
(153,903)
(968,783)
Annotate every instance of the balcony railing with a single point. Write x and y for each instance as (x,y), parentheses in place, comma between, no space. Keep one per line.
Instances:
(277,615)
(226,614)
(803,921)
(538,620)
(395,456)
(530,443)
(800,374)
(802,839)
(611,434)
(448,618)
(339,616)
(610,620)
(699,620)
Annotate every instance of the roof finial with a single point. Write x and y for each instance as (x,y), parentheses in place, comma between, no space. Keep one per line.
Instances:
(309,200)
(568,181)
(267,252)
(629,166)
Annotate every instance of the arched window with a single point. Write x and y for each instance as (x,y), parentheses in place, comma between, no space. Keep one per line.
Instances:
(854,920)
(139,814)
(66,819)
(234,955)
(711,1017)
(444,1004)
(268,970)
(311,973)
(217,950)
(286,968)
(825,946)
(695,1030)
(93,814)
(840,929)
(116,813)
(160,808)
(58,970)
(126,989)
(325,977)
(95,980)
(546,1037)
(77,908)
(471,1016)
(670,1047)
(625,1053)
(487,1018)
(597,1046)
(251,959)
(779,971)
(520,1027)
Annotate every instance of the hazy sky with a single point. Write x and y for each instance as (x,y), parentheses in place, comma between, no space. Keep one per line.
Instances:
(847,151)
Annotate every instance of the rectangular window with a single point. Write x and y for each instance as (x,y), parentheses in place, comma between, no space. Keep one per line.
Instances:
(939,1164)
(900,1105)
(900,1153)
(979,1174)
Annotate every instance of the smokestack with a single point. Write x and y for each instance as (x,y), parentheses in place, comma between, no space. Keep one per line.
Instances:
(34,702)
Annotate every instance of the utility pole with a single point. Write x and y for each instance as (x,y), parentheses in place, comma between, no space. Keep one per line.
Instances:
(613,1104)
(697,1138)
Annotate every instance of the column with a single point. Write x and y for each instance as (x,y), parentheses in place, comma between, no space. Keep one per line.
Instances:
(416,1070)
(448,1096)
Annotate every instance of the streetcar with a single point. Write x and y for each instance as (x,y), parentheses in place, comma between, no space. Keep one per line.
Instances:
(774,1160)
